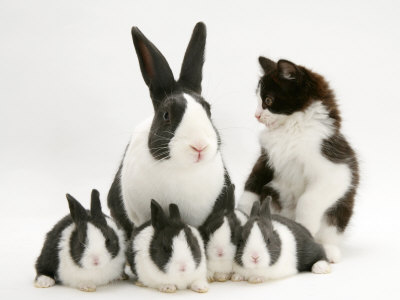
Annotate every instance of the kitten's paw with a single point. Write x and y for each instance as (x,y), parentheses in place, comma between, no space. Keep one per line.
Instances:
(255,279)
(87,287)
(321,267)
(222,277)
(44,281)
(123,276)
(199,286)
(333,253)
(138,283)
(167,288)
(237,277)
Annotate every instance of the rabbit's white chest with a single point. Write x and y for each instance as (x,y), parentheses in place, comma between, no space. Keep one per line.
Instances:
(194,188)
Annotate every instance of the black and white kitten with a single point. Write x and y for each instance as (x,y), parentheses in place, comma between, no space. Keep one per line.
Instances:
(306,165)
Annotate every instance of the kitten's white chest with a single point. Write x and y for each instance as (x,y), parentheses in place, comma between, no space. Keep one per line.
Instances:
(294,151)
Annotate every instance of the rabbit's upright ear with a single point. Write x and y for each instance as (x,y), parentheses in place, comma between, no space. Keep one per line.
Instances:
(255,210)
(95,207)
(230,198)
(155,69)
(158,217)
(265,211)
(78,212)
(192,66)
(174,213)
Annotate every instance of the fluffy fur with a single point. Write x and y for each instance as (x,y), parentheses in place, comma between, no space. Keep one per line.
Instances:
(173,156)
(274,247)
(306,165)
(100,261)
(181,245)
(220,233)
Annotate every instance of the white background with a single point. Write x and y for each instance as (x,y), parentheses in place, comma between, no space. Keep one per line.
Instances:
(71,93)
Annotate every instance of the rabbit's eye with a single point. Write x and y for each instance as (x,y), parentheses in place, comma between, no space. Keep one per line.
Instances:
(166,116)
(166,249)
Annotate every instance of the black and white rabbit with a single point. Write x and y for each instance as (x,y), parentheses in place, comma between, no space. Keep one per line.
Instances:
(273,247)
(83,250)
(174,156)
(221,232)
(167,254)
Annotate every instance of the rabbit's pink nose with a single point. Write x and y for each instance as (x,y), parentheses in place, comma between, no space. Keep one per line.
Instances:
(182,268)
(198,148)
(96,261)
(255,258)
(258,116)
(220,252)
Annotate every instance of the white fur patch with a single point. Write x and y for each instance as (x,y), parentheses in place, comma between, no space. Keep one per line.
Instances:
(307,182)
(321,267)
(44,281)
(220,251)
(90,275)
(193,186)
(246,201)
(150,275)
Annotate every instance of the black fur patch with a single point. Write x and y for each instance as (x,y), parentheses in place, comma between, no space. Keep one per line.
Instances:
(308,251)
(261,174)
(116,204)
(338,150)
(48,261)
(194,245)
(78,243)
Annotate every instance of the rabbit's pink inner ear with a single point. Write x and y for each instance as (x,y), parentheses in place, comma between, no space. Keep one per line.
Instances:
(147,60)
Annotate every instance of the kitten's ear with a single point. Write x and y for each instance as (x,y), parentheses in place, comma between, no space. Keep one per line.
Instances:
(267,64)
(287,69)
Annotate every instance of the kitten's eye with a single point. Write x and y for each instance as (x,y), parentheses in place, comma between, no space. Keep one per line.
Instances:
(166,116)
(268,101)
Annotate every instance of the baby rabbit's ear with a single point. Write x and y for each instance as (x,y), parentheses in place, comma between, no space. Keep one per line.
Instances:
(192,66)
(174,213)
(230,198)
(95,206)
(158,217)
(78,212)
(265,211)
(255,210)
(155,69)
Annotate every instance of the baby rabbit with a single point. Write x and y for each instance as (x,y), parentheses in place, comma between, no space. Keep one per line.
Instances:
(167,254)
(273,247)
(221,232)
(83,250)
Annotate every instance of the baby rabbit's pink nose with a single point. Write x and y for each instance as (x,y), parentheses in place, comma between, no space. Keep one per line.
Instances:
(182,268)
(96,260)
(255,258)
(220,252)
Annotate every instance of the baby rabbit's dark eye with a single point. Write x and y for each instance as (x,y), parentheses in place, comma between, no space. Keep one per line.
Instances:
(166,249)
(166,116)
